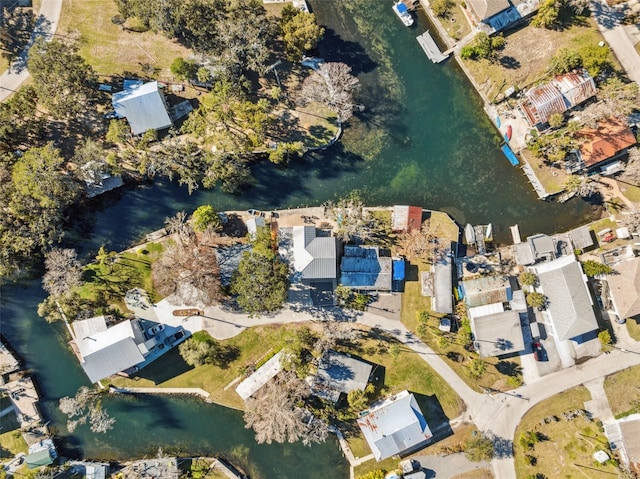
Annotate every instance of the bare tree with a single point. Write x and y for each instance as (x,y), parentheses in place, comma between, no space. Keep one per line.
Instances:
(63,271)
(275,413)
(631,221)
(333,85)
(631,172)
(333,334)
(189,273)
(354,222)
(418,243)
(86,406)
(179,225)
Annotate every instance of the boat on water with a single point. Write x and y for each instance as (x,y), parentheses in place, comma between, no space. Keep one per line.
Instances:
(488,231)
(469,234)
(403,13)
(507,135)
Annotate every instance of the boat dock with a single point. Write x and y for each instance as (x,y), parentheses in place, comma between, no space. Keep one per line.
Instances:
(429,46)
(515,234)
(480,246)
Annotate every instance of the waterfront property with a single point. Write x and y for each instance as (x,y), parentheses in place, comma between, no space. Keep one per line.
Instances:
(260,377)
(537,248)
(340,374)
(486,290)
(41,453)
(143,105)
(366,268)
(406,218)
(601,147)
(155,468)
(498,331)
(561,94)
(395,426)
(492,16)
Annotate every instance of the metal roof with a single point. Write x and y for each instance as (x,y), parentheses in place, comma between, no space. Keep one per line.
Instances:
(260,377)
(486,290)
(442,299)
(39,458)
(143,106)
(581,237)
(112,359)
(362,267)
(314,257)
(342,373)
(406,218)
(395,426)
(569,302)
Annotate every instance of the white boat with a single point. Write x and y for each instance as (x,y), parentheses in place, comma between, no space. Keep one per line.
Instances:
(403,13)
(488,231)
(470,234)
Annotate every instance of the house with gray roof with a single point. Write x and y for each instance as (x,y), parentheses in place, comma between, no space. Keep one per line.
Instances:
(497,332)
(537,248)
(366,268)
(314,257)
(395,426)
(144,107)
(340,374)
(624,288)
(569,313)
(486,290)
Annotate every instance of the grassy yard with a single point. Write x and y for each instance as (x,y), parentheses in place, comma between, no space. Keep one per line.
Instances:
(525,58)
(442,226)
(633,326)
(112,50)
(11,441)
(456,23)
(622,390)
(566,446)
(477,474)
(553,179)
(632,193)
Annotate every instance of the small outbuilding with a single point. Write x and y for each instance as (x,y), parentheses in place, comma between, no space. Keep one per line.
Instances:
(339,373)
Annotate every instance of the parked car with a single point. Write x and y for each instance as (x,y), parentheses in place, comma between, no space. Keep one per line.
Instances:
(538,351)
(155,330)
(173,338)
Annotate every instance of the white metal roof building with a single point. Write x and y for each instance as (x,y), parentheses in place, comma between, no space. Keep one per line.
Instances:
(395,426)
(143,106)
(260,377)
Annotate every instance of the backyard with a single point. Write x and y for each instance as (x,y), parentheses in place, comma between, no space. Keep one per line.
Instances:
(565,440)
(622,391)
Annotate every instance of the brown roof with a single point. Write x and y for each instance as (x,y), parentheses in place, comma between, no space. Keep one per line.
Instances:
(605,141)
(624,287)
(485,9)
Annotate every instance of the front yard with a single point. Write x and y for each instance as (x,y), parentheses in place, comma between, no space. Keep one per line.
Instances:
(622,391)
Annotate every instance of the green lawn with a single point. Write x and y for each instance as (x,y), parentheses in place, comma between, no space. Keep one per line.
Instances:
(622,390)
(552,179)
(11,442)
(632,193)
(567,445)
(633,326)
(112,50)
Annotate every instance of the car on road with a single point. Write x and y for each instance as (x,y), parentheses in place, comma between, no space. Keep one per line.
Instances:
(173,338)
(155,330)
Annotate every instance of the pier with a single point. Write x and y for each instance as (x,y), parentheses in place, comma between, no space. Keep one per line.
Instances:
(429,46)
(515,234)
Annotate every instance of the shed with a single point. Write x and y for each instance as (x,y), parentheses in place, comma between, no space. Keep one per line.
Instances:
(143,106)
(39,458)
(260,377)
(406,218)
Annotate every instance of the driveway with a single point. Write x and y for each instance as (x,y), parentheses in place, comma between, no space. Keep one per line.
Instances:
(46,25)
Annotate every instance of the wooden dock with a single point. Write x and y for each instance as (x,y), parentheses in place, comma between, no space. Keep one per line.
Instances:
(515,234)
(429,46)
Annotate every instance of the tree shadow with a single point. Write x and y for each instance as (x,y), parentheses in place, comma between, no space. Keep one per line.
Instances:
(509,62)
(166,367)
(435,416)
(334,48)
(509,368)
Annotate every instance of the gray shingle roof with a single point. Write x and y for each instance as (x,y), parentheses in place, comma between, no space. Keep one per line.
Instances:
(498,334)
(624,287)
(342,373)
(143,107)
(569,303)
(485,9)
(395,426)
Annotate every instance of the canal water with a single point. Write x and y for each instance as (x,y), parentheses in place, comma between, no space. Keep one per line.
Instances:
(422,139)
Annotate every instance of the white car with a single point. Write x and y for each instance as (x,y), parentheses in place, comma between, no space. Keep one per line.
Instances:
(155,330)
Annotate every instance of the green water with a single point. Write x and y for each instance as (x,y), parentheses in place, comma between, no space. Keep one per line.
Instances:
(423,139)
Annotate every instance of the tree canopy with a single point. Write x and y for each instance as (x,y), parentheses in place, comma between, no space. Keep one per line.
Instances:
(594,268)
(301,33)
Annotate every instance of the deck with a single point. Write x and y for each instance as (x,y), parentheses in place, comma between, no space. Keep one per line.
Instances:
(429,46)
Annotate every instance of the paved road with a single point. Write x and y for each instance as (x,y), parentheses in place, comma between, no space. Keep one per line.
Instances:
(497,414)
(608,19)
(46,25)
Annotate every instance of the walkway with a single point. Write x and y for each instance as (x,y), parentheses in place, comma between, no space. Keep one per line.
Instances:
(46,25)
(608,19)
(192,391)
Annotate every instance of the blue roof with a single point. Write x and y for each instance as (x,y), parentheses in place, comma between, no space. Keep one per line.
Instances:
(513,159)
(398,269)
(402,8)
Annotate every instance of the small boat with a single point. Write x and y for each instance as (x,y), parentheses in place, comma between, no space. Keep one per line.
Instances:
(507,135)
(498,122)
(488,231)
(469,234)
(403,13)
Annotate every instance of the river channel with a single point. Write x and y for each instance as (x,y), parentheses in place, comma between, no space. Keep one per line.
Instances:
(423,139)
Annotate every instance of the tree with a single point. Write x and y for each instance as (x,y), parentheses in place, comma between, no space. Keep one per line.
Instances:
(441,7)
(84,407)
(184,70)
(631,172)
(536,300)
(206,218)
(179,225)
(528,278)
(301,34)
(285,151)
(479,448)
(595,59)
(63,271)
(202,349)
(556,120)
(548,15)
(61,78)
(275,415)
(228,170)
(260,283)
(529,439)
(565,60)
(118,132)
(359,399)
(355,224)
(483,46)
(189,273)
(418,243)
(594,268)
(332,85)
(20,127)
(605,338)
(377,474)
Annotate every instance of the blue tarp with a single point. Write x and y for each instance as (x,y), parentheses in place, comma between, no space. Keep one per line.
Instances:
(398,269)
(511,156)
(402,8)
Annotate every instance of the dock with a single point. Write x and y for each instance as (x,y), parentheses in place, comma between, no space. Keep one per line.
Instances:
(429,46)
(515,234)
(480,245)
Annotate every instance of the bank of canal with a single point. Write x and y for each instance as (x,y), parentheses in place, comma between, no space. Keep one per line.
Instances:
(427,143)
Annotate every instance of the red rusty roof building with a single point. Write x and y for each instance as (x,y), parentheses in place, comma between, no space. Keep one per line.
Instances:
(606,141)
